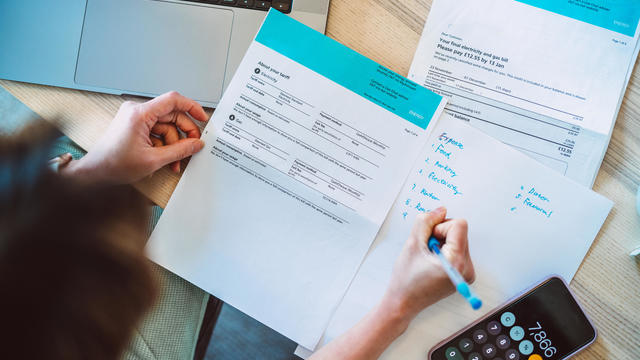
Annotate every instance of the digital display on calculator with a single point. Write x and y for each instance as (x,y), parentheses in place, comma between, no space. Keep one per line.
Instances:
(546,323)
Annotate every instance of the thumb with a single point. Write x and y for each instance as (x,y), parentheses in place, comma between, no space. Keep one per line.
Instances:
(423,227)
(177,151)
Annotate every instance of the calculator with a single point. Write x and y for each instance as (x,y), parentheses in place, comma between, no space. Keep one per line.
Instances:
(545,322)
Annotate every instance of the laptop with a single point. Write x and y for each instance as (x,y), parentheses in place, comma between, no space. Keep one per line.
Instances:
(137,47)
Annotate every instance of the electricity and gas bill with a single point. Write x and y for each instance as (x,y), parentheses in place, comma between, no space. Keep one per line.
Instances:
(544,76)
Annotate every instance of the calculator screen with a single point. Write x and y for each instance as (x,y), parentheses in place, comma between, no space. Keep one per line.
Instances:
(544,324)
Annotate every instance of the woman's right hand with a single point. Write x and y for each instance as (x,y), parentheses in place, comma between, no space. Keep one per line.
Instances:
(418,278)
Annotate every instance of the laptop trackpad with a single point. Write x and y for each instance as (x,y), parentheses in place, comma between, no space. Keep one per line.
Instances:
(150,47)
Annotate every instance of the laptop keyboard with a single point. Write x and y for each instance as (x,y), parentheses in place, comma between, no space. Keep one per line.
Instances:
(282,5)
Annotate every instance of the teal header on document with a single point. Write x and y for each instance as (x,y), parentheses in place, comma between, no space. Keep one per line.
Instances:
(620,16)
(349,69)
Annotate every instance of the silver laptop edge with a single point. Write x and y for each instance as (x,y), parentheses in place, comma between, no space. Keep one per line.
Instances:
(58,43)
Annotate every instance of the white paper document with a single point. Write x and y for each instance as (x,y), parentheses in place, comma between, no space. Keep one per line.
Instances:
(304,157)
(544,76)
(525,222)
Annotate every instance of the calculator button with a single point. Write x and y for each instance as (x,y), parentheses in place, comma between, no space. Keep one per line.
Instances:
(511,355)
(526,347)
(475,356)
(465,345)
(480,336)
(489,351)
(494,327)
(533,357)
(508,319)
(516,333)
(503,341)
(453,354)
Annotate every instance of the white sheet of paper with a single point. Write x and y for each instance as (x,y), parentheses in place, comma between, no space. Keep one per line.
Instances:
(525,222)
(544,76)
(304,157)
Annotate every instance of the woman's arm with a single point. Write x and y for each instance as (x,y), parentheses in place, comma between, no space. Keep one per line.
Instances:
(370,336)
(418,281)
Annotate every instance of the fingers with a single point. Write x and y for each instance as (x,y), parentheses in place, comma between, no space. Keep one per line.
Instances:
(183,122)
(170,135)
(425,223)
(177,151)
(156,142)
(167,131)
(456,246)
(455,233)
(173,102)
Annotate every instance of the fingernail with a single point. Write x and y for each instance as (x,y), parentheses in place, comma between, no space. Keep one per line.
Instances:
(439,210)
(198,145)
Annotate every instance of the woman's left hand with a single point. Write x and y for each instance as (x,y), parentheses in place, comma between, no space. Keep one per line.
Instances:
(128,152)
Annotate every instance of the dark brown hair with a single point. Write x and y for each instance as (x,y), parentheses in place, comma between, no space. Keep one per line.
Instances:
(74,281)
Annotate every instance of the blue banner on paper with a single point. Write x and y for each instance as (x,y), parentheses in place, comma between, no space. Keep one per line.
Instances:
(621,16)
(349,69)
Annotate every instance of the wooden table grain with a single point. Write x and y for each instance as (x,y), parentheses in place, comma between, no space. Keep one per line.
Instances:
(387,31)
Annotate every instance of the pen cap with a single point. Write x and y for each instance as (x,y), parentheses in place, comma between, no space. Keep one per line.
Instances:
(475,303)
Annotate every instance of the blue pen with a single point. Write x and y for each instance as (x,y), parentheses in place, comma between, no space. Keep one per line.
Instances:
(457,279)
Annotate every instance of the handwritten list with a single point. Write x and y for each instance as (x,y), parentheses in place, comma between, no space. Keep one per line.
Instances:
(437,178)
(440,177)
(526,221)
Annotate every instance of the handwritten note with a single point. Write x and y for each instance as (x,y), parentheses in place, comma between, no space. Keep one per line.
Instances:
(435,176)
(533,199)
(441,176)
(525,222)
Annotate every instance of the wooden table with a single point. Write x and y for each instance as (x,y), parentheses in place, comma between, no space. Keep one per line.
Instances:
(387,31)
